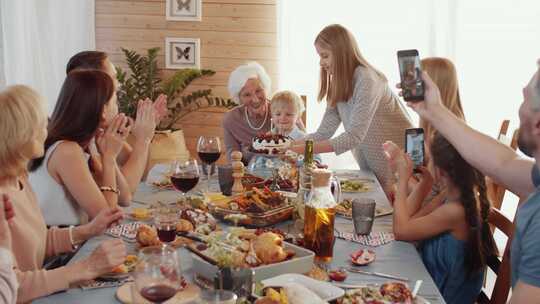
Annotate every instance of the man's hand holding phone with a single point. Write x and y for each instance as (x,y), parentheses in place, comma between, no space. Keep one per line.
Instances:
(432,103)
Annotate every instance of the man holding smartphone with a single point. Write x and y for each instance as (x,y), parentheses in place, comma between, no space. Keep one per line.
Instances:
(500,162)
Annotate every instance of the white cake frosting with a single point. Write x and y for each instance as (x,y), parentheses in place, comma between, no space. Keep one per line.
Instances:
(270,144)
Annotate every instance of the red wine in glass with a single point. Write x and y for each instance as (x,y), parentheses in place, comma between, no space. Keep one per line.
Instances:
(184,182)
(158,293)
(209,157)
(166,233)
(209,150)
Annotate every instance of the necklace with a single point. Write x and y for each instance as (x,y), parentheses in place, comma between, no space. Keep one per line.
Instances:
(249,122)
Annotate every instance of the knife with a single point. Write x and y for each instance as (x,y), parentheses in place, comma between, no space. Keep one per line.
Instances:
(202,255)
(378,274)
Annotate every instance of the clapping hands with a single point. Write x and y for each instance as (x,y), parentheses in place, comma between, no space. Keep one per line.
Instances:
(399,161)
(110,141)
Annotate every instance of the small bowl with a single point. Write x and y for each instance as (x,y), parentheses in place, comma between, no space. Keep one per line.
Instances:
(362,257)
(338,275)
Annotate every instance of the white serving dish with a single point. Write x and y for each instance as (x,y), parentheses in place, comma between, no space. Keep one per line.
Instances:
(302,262)
(324,290)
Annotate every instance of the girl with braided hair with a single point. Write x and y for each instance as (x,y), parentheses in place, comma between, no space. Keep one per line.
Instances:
(455,238)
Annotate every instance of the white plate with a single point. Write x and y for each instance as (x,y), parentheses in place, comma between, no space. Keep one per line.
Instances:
(418,300)
(324,290)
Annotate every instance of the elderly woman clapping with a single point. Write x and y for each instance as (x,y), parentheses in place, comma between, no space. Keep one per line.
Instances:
(249,85)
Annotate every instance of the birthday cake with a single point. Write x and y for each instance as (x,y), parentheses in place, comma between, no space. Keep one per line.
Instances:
(270,144)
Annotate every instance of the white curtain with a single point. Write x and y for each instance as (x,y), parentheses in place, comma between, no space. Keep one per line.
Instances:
(494,45)
(39,37)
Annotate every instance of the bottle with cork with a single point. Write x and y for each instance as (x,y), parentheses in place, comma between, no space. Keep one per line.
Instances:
(319,216)
(304,184)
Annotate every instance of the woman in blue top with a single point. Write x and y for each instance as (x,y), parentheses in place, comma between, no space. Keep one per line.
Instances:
(455,236)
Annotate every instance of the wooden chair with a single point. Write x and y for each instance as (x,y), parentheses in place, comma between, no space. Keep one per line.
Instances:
(495,191)
(304,99)
(504,128)
(501,266)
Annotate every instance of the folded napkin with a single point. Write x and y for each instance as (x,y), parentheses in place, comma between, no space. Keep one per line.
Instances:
(374,239)
(127,231)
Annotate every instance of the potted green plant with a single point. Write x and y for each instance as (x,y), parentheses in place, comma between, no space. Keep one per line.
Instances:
(143,81)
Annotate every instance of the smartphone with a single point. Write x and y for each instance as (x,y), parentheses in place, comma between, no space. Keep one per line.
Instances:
(410,72)
(414,145)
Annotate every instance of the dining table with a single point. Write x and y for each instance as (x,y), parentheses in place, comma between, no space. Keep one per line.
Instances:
(396,258)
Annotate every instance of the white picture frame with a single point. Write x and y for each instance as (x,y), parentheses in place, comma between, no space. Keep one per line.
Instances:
(183,10)
(182,53)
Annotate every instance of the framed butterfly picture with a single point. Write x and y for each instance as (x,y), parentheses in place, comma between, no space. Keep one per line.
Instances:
(182,53)
(183,10)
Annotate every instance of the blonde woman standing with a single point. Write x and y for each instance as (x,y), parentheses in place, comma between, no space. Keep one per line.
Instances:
(358,96)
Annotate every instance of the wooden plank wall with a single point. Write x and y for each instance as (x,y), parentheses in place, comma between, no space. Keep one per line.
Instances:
(231,32)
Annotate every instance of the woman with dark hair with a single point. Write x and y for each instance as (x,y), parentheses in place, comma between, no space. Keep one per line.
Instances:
(90,60)
(68,182)
(456,240)
(134,155)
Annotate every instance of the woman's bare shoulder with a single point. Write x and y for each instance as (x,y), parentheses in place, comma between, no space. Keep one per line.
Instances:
(67,148)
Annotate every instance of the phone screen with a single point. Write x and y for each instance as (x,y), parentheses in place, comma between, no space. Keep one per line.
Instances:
(415,146)
(410,72)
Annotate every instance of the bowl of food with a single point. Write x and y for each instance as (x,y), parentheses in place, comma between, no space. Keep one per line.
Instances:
(362,257)
(266,254)
(254,208)
(390,293)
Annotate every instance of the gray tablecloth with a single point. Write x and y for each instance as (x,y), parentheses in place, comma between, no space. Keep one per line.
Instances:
(398,258)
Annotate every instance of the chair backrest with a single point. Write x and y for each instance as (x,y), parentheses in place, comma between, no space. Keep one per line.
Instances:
(501,266)
(496,191)
(514,142)
(304,99)
(504,128)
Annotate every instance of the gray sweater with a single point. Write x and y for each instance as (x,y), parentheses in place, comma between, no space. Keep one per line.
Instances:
(370,117)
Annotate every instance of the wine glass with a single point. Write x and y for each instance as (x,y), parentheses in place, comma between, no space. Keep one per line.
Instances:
(158,275)
(165,219)
(209,150)
(185,175)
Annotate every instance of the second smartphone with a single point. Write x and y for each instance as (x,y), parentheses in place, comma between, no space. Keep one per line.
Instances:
(414,145)
(410,73)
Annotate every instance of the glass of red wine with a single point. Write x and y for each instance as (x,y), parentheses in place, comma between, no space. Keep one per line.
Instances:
(158,275)
(165,219)
(185,175)
(209,150)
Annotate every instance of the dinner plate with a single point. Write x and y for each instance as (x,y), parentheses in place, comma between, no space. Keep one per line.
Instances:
(379,211)
(417,300)
(368,185)
(324,290)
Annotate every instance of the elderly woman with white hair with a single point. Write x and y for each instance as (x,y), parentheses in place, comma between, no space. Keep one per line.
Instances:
(248,85)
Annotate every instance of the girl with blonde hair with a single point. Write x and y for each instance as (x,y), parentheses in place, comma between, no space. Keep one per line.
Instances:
(443,72)
(23,130)
(357,95)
